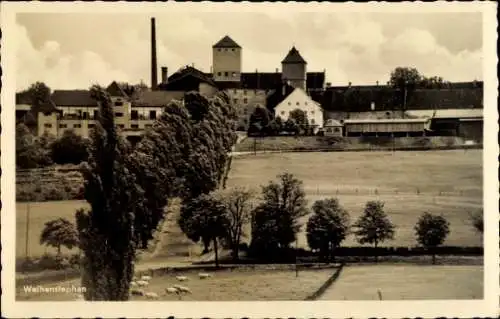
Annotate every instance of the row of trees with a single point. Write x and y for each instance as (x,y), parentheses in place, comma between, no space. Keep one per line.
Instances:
(185,154)
(45,150)
(276,220)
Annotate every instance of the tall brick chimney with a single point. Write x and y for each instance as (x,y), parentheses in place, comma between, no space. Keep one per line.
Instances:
(154,67)
(164,74)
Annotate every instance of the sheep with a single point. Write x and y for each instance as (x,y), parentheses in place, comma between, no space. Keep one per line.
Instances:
(181,278)
(184,289)
(137,292)
(146,278)
(204,275)
(151,295)
(142,283)
(171,290)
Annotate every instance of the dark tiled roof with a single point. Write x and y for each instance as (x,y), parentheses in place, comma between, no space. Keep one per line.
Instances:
(156,98)
(294,56)
(226,42)
(73,98)
(23,98)
(186,79)
(276,96)
(115,90)
(262,81)
(224,85)
(315,80)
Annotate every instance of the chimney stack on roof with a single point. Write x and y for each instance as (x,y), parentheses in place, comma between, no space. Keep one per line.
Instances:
(154,67)
(164,74)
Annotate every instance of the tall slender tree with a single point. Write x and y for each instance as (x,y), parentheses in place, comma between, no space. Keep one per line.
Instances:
(106,232)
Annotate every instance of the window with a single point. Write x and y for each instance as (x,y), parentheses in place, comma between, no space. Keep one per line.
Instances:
(244,92)
(134,115)
(232,50)
(289,103)
(234,91)
(118,103)
(312,112)
(226,73)
(297,103)
(63,126)
(85,115)
(312,122)
(119,114)
(235,101)
(282,112)
(219,73)
(219,50)
(77,125)
(47,125)
(121,125)
(245,100)
(135,126)
(91,125)
(152,115)
(337,129)
(96,114)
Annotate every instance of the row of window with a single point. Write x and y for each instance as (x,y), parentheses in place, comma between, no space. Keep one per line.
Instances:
(245,101)
(134,115)
(91,125)
(225,50)
(283,112)
(226,74)
(297,103)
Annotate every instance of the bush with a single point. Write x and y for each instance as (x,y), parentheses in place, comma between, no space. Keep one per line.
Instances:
(69,149)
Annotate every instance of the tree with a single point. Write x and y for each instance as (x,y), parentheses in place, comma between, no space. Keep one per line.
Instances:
(26,150)
(59,232)
(259,121)
(434,82)
(431,231)
(44,145)
(291,127)
(374,226)
(405,79)
(108,234)
(237,204)
(276,220)
(70,148)
(39,95)
(205,218)
(477,221)
(299,117)
(327,227)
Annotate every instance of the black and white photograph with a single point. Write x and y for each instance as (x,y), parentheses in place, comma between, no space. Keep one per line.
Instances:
(291,159)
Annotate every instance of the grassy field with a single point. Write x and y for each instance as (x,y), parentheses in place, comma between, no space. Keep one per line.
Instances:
(407,282)
(408,182)
(238,285)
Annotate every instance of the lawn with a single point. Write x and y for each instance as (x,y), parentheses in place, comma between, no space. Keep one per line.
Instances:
(410,183)
(352,177)
(226,285)
(409,282)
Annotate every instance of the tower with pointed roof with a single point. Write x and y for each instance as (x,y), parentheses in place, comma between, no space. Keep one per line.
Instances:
(294,69)
(226,64)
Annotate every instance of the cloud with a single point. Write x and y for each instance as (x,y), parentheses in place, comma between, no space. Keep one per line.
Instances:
(361,48)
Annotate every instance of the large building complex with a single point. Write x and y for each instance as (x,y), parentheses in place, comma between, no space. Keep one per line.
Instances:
(357,106)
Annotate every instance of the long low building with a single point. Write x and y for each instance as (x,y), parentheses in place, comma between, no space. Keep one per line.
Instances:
(386,127)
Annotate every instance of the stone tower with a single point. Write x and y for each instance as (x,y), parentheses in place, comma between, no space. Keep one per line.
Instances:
(294,69)
(226,55)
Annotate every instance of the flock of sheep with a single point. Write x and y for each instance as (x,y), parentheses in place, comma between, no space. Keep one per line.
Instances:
(137,286)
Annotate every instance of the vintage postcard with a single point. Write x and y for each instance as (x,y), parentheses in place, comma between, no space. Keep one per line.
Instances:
(260,160)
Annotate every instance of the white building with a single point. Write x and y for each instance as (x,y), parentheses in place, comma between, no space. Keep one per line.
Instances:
(299,99)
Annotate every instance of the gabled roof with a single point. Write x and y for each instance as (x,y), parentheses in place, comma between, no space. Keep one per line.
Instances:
(73,98)
(156,98)
(23,98)
(226,42)
(276,95)
(294,56)
(115,90)
(296,92)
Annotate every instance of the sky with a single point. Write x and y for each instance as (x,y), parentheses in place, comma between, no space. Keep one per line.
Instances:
(73,51)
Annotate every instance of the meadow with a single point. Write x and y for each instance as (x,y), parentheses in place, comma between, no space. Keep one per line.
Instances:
(408,282)
(410,183)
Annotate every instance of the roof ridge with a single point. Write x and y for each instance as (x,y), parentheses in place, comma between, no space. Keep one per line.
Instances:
(226,42)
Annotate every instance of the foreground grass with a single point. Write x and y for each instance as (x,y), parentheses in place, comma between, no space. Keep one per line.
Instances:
(409,282)
(237,285)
